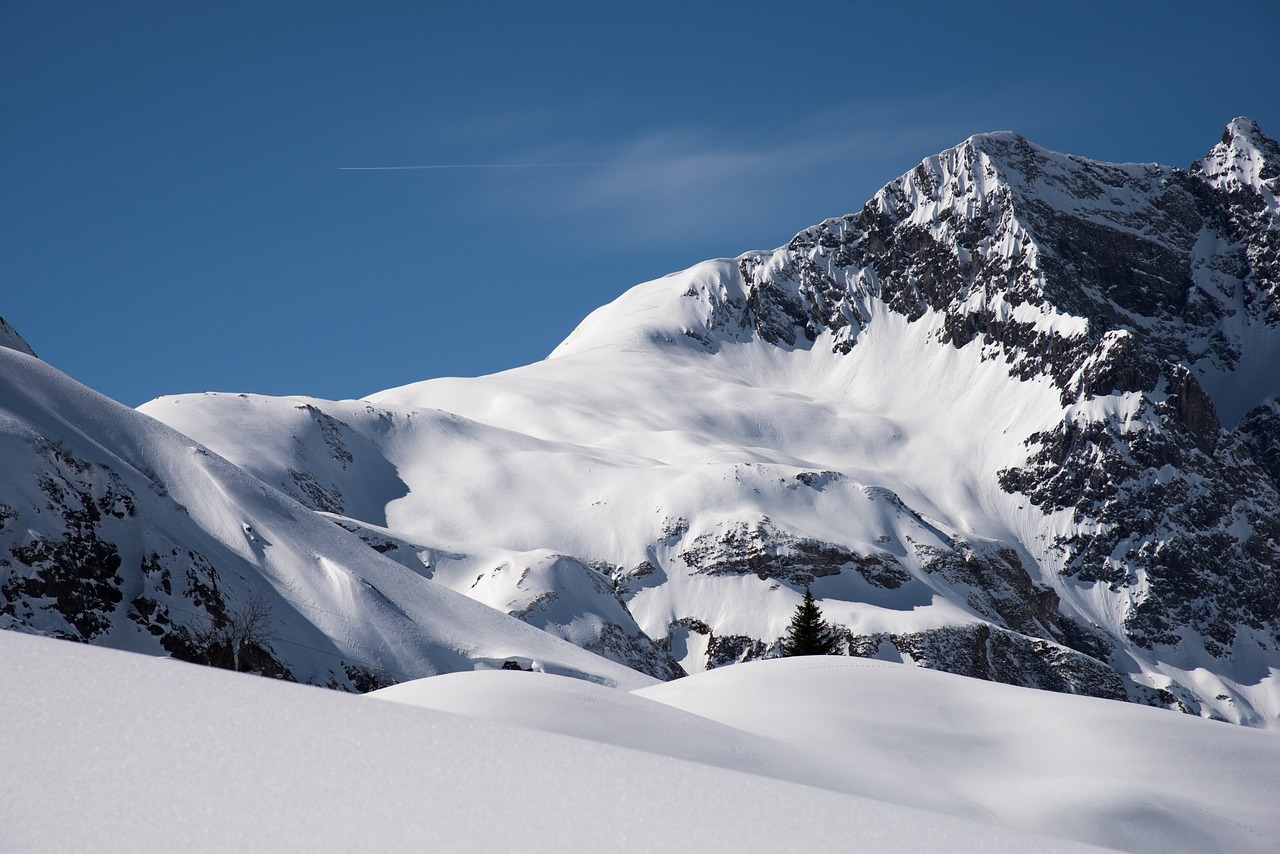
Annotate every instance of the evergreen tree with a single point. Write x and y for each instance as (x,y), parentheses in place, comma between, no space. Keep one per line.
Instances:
(809,634)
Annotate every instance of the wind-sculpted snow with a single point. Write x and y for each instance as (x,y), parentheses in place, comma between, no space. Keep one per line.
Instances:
(1078,768)
(115,752)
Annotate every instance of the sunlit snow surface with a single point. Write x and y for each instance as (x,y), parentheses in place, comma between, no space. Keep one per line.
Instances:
(598,452)
(1080,768)
(111,751)
(117,752)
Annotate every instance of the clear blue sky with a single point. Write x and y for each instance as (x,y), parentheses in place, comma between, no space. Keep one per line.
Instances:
(174,216)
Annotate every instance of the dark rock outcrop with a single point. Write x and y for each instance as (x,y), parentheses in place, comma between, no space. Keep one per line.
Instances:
(999,655)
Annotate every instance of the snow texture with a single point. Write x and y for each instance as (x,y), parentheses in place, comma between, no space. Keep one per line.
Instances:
(1079,768)
(110,751)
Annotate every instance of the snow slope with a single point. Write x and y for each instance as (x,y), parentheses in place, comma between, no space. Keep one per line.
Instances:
(117,530)
(622,458)
(1080,768)
(116,752)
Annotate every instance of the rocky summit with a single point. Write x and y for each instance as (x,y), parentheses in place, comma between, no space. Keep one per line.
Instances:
(1016,418)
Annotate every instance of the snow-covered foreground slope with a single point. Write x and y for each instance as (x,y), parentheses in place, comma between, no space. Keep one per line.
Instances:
(1081,768)
(1111,774)
(119,531)
(109,751)
(1015,418)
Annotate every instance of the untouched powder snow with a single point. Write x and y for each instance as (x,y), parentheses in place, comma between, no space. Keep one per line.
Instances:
(1111,774)
(109,751)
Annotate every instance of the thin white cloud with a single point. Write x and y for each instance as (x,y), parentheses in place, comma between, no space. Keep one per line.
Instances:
(678,184)
(757,181)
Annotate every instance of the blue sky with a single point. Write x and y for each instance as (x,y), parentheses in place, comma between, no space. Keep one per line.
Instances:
(175,215)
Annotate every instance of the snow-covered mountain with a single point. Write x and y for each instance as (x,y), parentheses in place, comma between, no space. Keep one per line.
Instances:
(1016,418)
(118,531)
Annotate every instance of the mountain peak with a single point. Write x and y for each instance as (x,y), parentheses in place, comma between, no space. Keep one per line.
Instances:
(998,136)
(1246,158)
(1243,126)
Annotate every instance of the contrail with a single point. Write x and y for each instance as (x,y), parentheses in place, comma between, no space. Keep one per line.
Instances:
(500,165)
(460,166)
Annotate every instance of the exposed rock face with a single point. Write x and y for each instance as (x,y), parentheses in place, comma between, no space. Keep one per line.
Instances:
(1259,431)
(1131,284)
(1002,238)
(1002,590)
(78,565)
(761,549)
(989,579)
(1197,533)
(998,655)
(1243,173)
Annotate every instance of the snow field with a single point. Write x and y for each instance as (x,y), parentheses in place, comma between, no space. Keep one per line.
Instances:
(1096,771)
(112,751)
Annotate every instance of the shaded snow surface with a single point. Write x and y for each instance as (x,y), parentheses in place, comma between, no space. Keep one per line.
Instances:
(112,751)
(1111,774)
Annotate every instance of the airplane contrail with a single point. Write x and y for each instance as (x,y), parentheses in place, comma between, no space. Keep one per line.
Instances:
(460,166)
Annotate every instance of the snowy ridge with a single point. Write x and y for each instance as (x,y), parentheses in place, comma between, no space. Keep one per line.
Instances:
(125,533)
(10,338)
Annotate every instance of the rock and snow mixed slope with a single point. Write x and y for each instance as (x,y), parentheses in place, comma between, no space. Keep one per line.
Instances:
(1016,418)
(117,530)
(116,752)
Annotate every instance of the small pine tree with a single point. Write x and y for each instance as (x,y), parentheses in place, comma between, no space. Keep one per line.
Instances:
(809,634)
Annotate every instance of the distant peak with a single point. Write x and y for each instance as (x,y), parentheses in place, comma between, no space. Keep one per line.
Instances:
(1245,158)
(10,338)
(1246,128)
(995,136)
